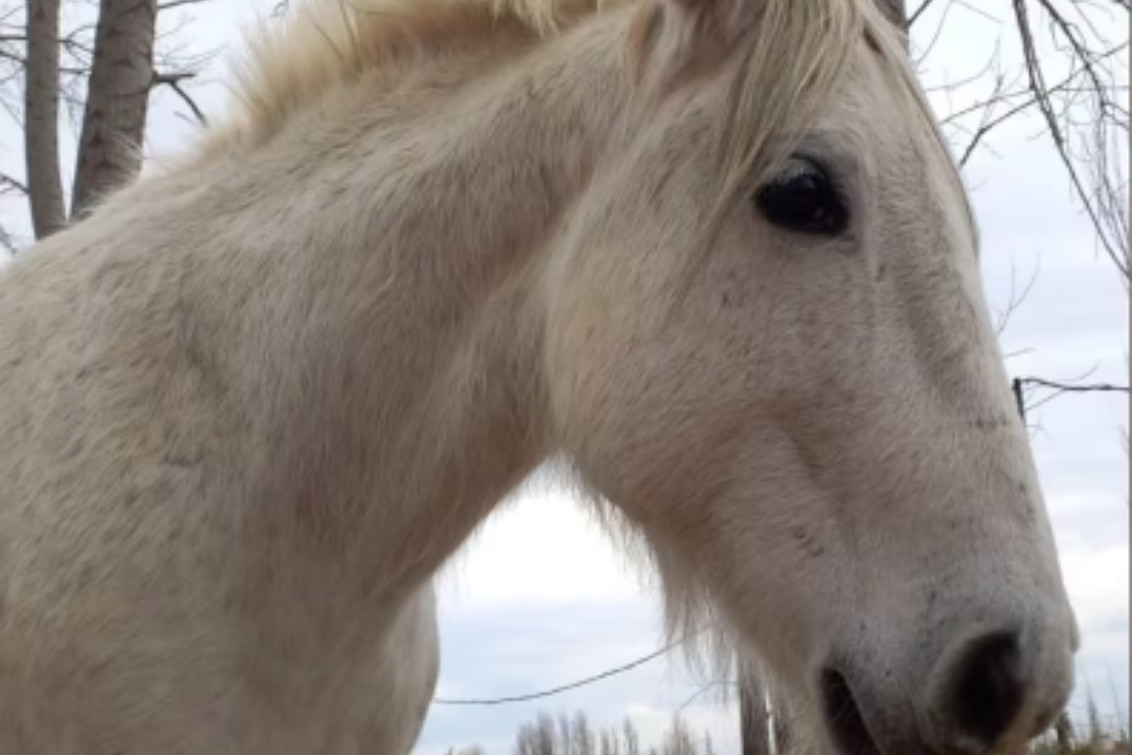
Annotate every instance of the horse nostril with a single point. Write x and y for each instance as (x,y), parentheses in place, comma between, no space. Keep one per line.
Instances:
(987,690)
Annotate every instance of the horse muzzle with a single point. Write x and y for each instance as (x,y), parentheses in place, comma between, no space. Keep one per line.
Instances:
(987,693)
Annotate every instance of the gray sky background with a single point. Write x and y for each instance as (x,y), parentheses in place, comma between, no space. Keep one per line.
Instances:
(540,598)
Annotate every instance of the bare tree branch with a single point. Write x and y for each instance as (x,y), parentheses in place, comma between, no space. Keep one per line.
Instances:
(915,16)
(1041,92)
(173,81)
(1023,386)
(1073,388)
(1017,298)
(6,241)
(9,184)
(170,4)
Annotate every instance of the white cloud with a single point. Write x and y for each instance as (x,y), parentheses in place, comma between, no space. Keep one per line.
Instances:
(543,550)
(1098,581)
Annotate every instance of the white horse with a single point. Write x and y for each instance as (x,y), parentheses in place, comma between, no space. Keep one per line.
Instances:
(711,252)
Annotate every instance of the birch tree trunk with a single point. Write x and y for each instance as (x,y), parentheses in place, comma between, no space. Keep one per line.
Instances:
(110,148)
(41,119)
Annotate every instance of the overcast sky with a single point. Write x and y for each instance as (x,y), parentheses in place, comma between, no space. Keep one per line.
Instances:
(540,598)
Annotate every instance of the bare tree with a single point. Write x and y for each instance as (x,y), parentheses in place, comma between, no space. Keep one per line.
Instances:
(573,735)
(679,740)
(1063,732)
(117,100)
(102,73)
(537,737)
(1100,197)
(544,736)
(609,744)
(632,738)
(565,735)
(582,737)
(41,106)
(1085,117)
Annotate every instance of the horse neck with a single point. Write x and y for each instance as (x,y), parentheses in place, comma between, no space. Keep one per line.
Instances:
(380,273)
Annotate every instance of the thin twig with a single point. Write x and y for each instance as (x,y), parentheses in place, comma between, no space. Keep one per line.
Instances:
(1041,95)
(173,81)
(1074,388)
(170,4)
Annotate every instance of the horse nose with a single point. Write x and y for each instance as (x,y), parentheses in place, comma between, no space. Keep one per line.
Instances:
(983,695)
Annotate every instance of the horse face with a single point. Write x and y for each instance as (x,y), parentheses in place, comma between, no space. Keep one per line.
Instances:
(795,391)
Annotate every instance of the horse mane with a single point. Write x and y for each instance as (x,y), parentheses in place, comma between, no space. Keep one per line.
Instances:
(799,58)
(322,44)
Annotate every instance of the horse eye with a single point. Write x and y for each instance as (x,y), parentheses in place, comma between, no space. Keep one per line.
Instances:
(802,198)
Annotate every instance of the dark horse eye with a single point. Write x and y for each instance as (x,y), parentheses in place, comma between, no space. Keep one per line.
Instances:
(802,198)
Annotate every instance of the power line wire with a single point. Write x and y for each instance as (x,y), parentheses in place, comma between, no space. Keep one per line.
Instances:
(563,688)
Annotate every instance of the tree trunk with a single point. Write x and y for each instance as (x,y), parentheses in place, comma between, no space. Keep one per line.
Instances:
(110,148)
(754,728)
(763,732)
(895,11)
(41,127)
